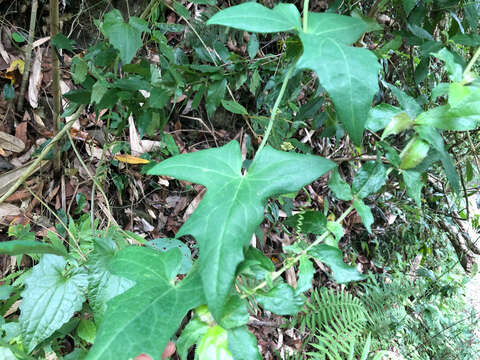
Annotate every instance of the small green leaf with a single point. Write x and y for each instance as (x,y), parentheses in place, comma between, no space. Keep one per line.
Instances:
(181,10)
(98,90)
(215,95)
(17,37)
(79,70)
(166,244)
(87,330)
(60,41)
(369,179)
(414,153)
(308,222)
(190,335)
(235,313)
(409,104)
(455,70)
(234,107)
(414,184)
(280,300)
(332,256)
(336,229)
(365,214)
(50,299)
(254,17)
(5,291)
(380,115)
(242,344)
(397,124)
(340,188)
(305,275)
(214,345)
(158,97)
(8,91)
(253,46)
(18,247)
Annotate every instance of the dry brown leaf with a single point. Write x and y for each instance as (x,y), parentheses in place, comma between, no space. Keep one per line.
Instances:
(11,143)
(35,79)
(21,132)
(9,210)
(129,159)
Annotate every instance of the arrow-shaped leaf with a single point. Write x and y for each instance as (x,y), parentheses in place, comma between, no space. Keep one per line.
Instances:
(233,206)
(142,319)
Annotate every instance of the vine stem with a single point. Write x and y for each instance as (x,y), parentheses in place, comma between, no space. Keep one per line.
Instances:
(305,15)
(472,62)
(42,155)
(291,262)
(274,112)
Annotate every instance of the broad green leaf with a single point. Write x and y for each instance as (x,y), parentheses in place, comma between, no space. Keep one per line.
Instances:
(143,318)
(233,206)
(348,74)
(369,179)
(305,275)
(414,184)
(126,38)
(167,244)
(242,344)
(365,214)
(380,115)
(332,256)
(18,247)
(214,345)
(408,6)
(190,335)
(234,107)
(281,300)
(254,17)
(344,29)
(340,188)
(308,222)
(99,89)
(235,313)
(50,299)
(102,284)
(455,70)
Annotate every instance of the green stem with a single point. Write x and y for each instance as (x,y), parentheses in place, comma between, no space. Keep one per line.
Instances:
(292,262)
(274,111)
(305,15)
(472,62)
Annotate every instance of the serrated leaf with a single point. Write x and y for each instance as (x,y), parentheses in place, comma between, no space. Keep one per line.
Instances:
(190,335)
(369,179)
(50,299)
(234,107)
(305,275)
(155,305)
(365,214)
(308,222)
(281,300)
(242,344)
(126,38)
(332,256)
(102,284)
(254,17)
(18,247)
(340,188)
(233,206)
(348,74)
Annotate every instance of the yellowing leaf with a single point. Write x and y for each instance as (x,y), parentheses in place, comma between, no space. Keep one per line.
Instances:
(130,159)
(16,64)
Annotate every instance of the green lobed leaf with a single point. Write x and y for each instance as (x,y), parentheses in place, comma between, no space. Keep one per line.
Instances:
(340,188)
(332,256)
(365,214)
(242,344)
(344,29)
(233,206)
(50,299)
(348,74)
(102,284)
(143,318)
(281,300)
(254,17)
(19,247)
(369,179)
(126,38)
